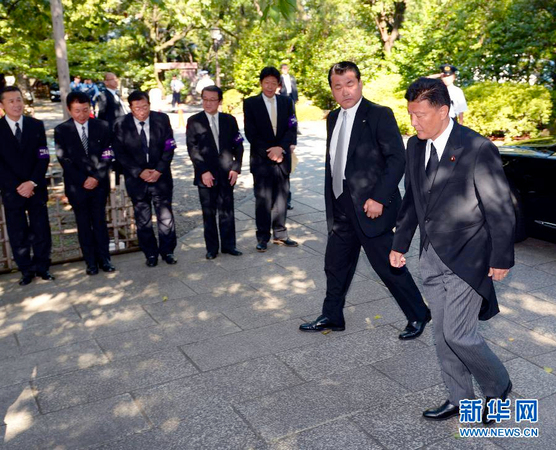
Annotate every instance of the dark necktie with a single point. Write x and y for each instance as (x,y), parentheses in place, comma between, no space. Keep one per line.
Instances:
(84,140)
(144,143)
(432,164)
(18,133)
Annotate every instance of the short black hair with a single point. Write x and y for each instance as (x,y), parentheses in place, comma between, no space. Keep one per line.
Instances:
(77,97)
(9,89)
(136,96)
(431,89)
(270,72)
(213,88)
(343,67)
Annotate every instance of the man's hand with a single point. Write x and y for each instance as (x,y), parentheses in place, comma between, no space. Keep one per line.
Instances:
(155,175)
(373,209)
(397,259)
(498,274)
(292,148)
(26,189)
(232,176)
(145,175)
(207,179)
(90,183)
(275,154)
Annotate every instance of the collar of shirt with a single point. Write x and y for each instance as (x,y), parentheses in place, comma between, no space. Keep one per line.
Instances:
(210,116)
(146,127)
(80,128)
(439,143)
(113,92)
(12,123)
(350,118)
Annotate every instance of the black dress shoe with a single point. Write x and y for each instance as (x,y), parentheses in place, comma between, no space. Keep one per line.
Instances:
(211,255)
(414,329)
(92,269)
(46,275)
(26,278)
(446,411)
(286,242)
(290,207)
(320,324)
(503,397)
(107,266)
(261,247)
(234,252)
(152,261)
(170,259)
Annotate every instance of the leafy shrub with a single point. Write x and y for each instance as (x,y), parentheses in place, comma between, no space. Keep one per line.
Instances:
(507,109)
(232,102)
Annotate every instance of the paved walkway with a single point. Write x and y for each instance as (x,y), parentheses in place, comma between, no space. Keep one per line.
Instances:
(207,354)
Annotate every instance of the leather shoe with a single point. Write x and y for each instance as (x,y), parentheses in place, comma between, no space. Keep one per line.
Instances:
(320,324)
(211,255)
(503,397)
(92,269)
(446,411)
(26,278)
(46,275)
(290,207)
(152,261)
(414,329)
(170,259)
(107,266)
(286,242)
(261,247)
(234,252)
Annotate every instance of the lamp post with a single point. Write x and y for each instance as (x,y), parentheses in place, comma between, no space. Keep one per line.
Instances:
(217,38)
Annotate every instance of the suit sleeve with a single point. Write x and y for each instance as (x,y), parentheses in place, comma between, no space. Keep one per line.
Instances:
(391,146)
(101,103)
(495,201)
(290,137)
(103,168)
(71,170)
(237,145)
(193,147)
(407,220)
(121,151)
(258,145)
(41,167)
(165,160)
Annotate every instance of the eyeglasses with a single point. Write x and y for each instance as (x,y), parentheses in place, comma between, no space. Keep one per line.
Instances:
(210,100)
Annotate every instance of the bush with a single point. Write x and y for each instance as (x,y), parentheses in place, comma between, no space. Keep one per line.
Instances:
(306,111)
(507,109)
(232,102)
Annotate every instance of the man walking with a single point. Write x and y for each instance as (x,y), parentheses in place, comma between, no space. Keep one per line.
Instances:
(458,195)
(364,163)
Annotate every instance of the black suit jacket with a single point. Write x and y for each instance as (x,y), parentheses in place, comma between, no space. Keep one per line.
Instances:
(469,218)
(75,162)
(374,167)
(258,130)
(283,91)
(203,151)
(108,108)
(127,147)
(25,162)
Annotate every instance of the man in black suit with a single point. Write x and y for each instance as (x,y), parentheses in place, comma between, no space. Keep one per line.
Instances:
(83,149)
(288,84)
(271,128)
(144,145)
(458,195)
(24,160)
(216,149)
(364,163)
(110,104)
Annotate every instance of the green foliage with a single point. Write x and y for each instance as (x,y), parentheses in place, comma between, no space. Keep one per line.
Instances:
(232,102)
(305,111)
(507,109)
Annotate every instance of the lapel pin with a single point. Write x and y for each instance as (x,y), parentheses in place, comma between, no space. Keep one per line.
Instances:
(452,158)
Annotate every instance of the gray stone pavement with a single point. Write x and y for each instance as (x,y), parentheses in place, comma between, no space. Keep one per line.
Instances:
(207,354)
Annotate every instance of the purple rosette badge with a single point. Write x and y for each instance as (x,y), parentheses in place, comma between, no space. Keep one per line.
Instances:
(238,139)
(169,145)
(292,121)
(107,154)
(43,153)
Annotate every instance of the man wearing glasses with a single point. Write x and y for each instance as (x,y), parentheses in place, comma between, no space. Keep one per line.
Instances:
(216,150)
(144,145)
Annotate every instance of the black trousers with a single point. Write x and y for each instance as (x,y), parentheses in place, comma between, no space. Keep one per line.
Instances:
(90,215)
(218,199)
(342,254)
(176,98)
(29,227)
(164,219)
(271,196)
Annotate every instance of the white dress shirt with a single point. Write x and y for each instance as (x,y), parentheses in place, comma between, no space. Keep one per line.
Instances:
(350,118)
(287,82)
(80,129)
(439,143)
(268,103)
(214,131)
(12,123)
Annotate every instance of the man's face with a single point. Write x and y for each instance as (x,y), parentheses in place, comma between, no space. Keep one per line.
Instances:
(79,112)
(111,81)
(346,89)
(429,121)
(12,104)
(211,102)
(448,80)
(269,86)
(140,109)
(285,69)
